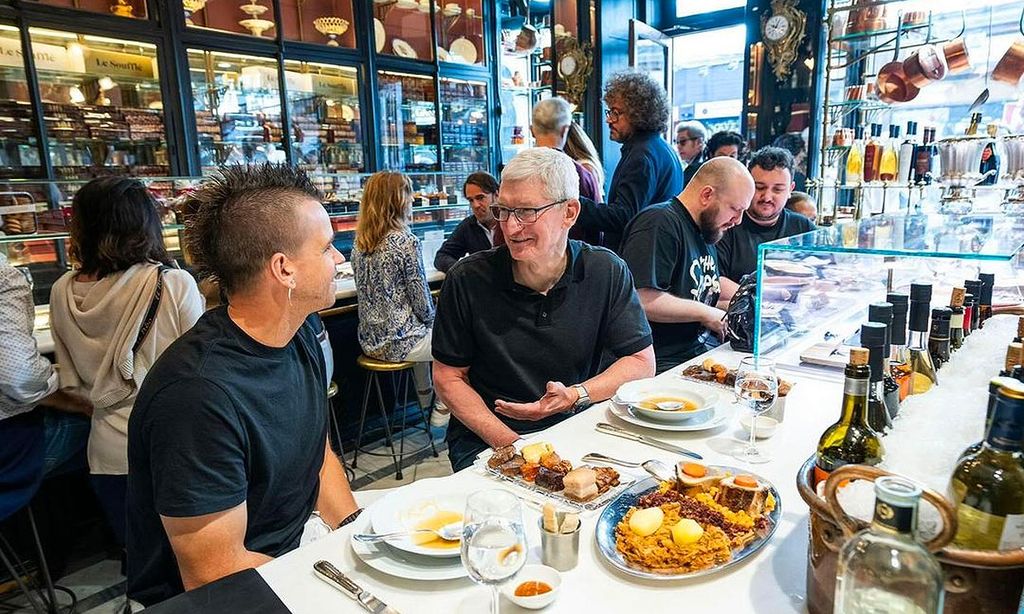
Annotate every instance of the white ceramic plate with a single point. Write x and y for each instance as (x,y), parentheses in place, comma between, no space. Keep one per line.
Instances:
(403,49)
(400,564)
(404,511)
(705,401)
(464,48)
(722,413)
(442,54)
(380,36)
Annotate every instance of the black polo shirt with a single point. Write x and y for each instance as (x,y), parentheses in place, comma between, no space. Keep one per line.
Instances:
(737,251)
(665,250)
(515,340)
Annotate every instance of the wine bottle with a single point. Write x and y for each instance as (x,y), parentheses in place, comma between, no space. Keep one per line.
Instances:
(873,154)
(993,393)
(872,337)
(974,287)
(938,337)
(924,158)
(987,487)
(882,313)
(1012,359)
(900,356)
(956,319)
(1020,330)
(906,155)
(988,282)
(855,158)
(850,440)
(922,376)
(968,310)
(884,568)
(888,166)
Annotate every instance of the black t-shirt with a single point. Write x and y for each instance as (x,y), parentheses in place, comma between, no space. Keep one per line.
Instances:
(515,340)
(219,420)
(665,250)
(737,251)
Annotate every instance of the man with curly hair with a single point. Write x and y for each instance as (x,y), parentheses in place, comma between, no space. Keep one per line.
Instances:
(229,463)
(637,113)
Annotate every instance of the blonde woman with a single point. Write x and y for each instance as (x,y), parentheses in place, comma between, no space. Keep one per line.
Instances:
(396,312)
(579,147)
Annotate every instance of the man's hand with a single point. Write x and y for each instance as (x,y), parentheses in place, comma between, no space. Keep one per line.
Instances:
(68,402)
(713,322)
(556,399)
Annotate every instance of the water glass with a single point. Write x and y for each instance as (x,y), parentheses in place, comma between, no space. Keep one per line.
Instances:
(757,386)
(493,539)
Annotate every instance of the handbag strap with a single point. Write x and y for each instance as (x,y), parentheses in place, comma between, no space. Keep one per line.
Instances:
(147,322)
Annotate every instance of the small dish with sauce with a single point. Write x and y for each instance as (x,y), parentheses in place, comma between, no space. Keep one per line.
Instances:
(675,404)
(534,587)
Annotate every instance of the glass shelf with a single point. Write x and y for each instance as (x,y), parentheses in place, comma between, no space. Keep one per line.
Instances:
(865,105)
(858,36)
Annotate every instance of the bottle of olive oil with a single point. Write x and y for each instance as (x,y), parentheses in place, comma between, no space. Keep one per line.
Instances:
(850,440)
(922,376)
(987,487)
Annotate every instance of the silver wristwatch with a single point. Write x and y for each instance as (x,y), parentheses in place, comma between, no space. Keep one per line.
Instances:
(584,401)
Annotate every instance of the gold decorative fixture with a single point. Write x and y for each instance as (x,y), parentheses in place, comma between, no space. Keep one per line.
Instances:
(255,24)
(122,8)
(575,64)
(331,27)
(191,8)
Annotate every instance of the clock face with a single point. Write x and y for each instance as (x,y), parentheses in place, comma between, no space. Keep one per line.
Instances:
(776,27)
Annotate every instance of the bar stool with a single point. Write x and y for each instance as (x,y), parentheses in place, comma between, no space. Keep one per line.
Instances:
(401,374)
(332,418)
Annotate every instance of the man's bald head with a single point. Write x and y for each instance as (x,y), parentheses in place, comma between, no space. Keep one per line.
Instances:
(717,195)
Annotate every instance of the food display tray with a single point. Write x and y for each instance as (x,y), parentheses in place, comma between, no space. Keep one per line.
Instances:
(539,492)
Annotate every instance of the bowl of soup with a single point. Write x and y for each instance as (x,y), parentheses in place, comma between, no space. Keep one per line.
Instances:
(674,404)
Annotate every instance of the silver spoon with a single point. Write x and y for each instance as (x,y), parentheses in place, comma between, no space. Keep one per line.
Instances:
(669,405)
(980,100)
(654,467)
(451,532)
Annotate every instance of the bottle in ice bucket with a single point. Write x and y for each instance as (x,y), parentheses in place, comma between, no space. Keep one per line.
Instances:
(922,376)
(883,314)
(988,282)
(956,319)
(883,569)
(900,358)
(872,337)
(987,487)
(850,440)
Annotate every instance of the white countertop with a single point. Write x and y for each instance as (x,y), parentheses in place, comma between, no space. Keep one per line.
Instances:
(773,580)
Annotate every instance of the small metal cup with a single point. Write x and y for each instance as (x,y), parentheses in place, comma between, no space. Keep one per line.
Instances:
(559,550)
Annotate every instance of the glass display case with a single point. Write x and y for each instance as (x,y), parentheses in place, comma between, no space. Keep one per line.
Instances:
(19,147)
(252,17)
(402,28)
(408,122)
(121,8)
(237,108)
(814,288)
(323,104)
(460,32)
(465,135)
(102,103)
(328,22)
(525,75)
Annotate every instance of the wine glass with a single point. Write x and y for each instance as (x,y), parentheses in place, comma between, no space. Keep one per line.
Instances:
(493,539)
(757,386)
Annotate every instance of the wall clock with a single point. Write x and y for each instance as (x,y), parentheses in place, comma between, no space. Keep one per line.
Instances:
(782,32)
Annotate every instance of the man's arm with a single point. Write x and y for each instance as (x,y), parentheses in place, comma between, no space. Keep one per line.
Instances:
(211,546)
(728,289)
(335,501)
(559,397)
(452,385)
(632,193)
(664,307)
(453,248)
(25,376)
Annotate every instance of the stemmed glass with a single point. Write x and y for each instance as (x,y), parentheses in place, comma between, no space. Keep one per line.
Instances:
(757,386)
(493,539)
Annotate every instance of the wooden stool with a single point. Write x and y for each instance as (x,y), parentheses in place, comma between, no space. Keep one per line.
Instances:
(335,432)
(402,372)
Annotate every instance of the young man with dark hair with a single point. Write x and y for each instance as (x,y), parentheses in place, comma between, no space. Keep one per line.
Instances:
(229,463)
(767,219)
(479,230)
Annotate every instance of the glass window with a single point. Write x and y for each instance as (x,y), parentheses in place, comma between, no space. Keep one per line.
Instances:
(19,150)
(686,8)
(707,77)
(460,32)
(465,145)
(238,108)
(525,76)
(101,96)
(121,8)
(408,122)
(402,28)
(323,102)
(319,21)
(248,18)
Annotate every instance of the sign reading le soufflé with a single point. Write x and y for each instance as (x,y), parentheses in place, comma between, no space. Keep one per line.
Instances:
(94,61)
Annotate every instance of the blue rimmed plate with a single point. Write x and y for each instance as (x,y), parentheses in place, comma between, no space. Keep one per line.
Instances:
(617,509)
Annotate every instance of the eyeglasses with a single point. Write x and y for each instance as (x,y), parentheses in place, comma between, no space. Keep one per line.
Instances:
(692,138)
(525,215)
(613,114)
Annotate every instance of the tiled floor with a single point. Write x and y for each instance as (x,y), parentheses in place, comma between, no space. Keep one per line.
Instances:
(100,587)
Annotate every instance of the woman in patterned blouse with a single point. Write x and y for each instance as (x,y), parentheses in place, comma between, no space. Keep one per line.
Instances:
(396,312)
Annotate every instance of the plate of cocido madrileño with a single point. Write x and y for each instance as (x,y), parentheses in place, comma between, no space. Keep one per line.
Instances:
(708,518)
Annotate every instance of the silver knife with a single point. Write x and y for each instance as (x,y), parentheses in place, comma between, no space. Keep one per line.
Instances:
(333,576)
(611,429)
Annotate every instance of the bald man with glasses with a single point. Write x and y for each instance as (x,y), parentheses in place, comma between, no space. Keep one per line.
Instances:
(531,332)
